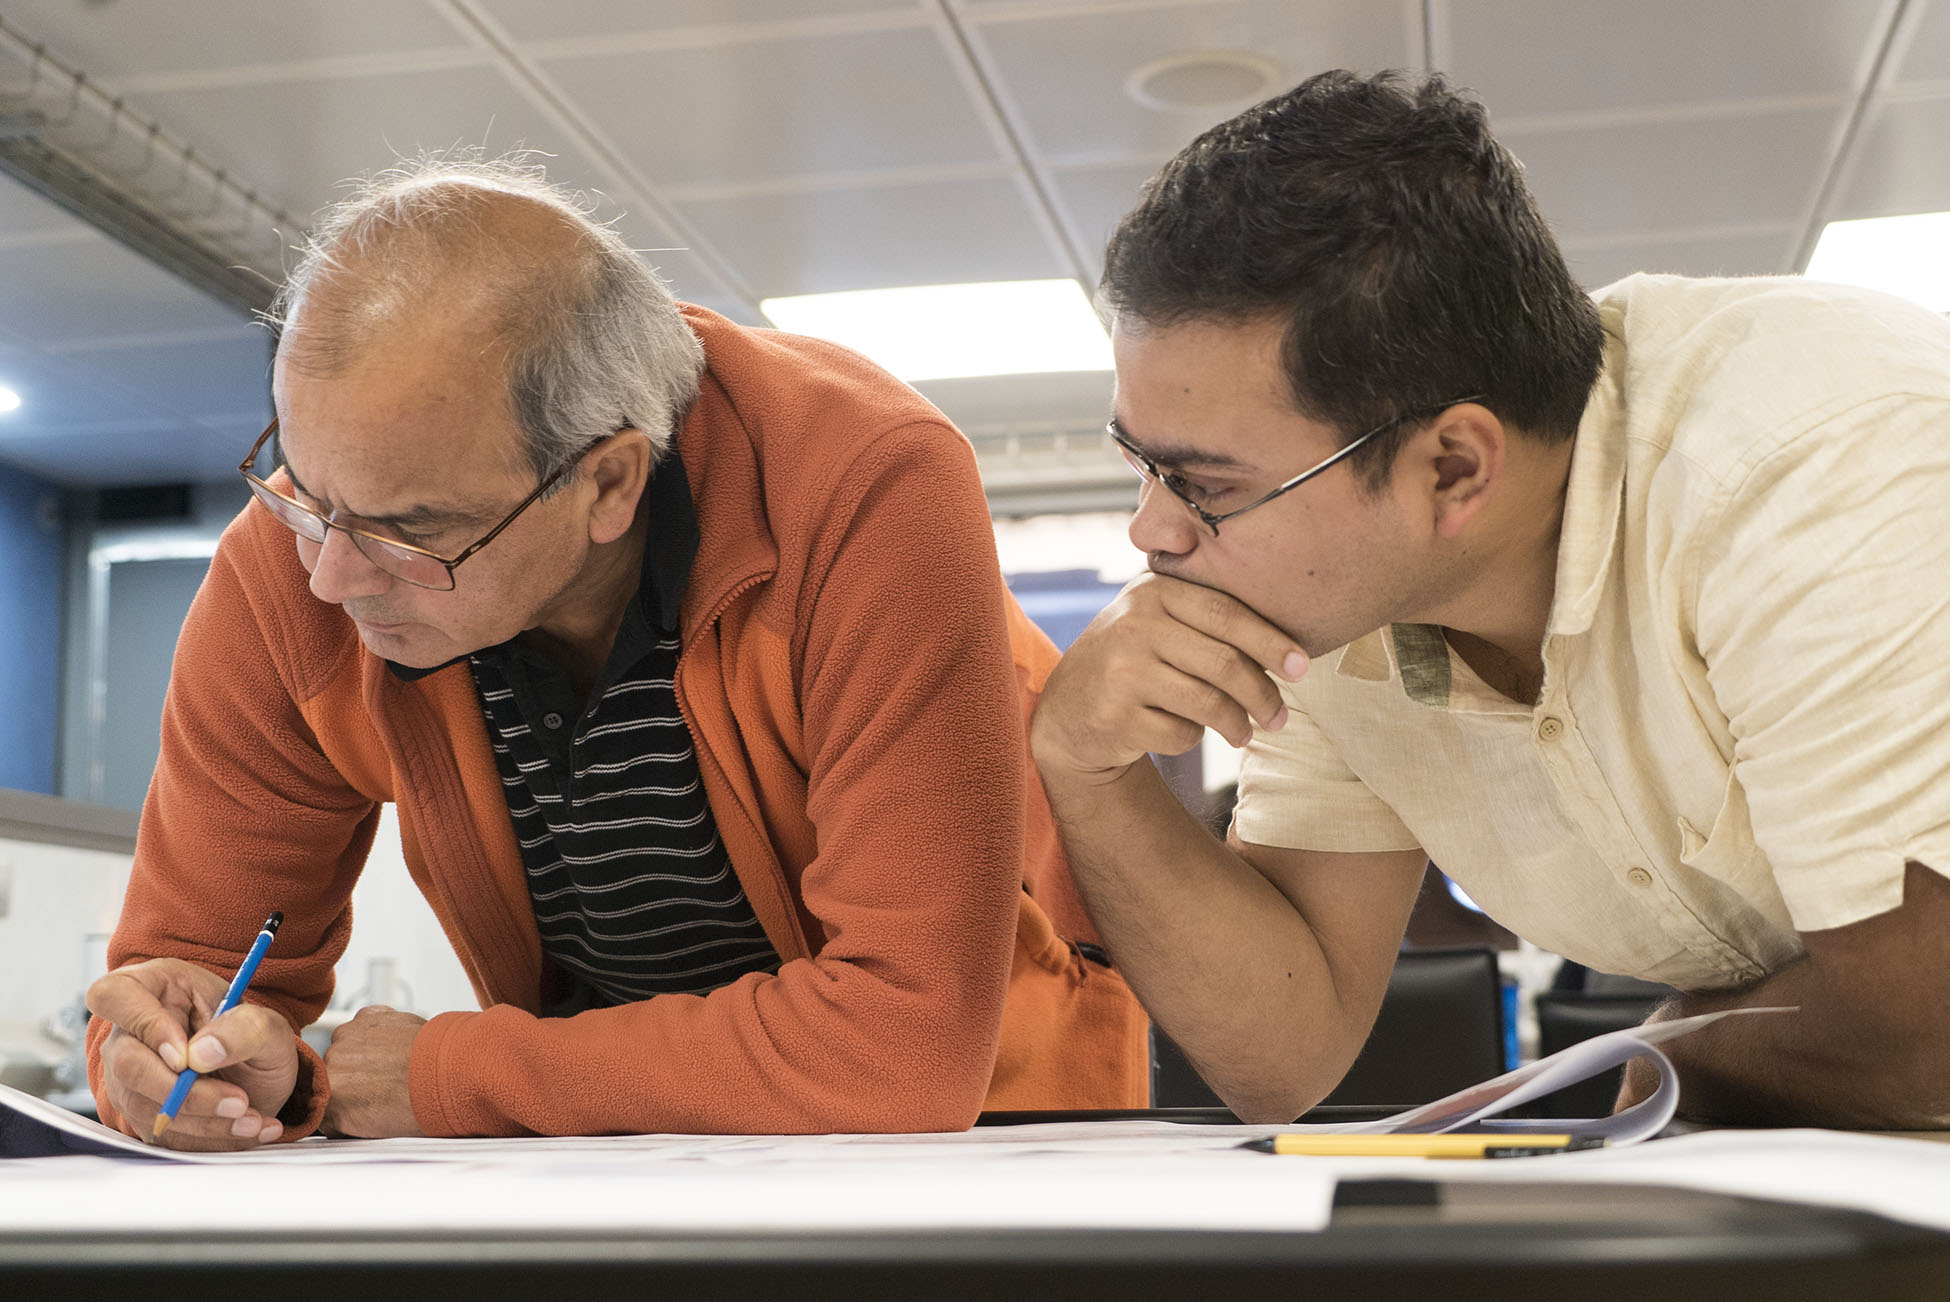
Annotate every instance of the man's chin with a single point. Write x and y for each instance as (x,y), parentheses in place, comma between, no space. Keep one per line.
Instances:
(1319,642)
(403,644)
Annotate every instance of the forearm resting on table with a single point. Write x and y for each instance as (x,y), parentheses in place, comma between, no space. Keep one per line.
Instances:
(1869,1048)
(1222,960)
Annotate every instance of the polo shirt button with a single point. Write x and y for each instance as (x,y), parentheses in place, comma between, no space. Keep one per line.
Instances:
(551,720)
(1639,877)
(1551,728)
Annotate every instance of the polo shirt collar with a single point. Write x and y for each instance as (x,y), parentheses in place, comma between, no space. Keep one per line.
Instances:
(1594,501)
(1418,656)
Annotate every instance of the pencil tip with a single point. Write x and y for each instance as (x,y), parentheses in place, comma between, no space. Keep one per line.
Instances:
(162,1124)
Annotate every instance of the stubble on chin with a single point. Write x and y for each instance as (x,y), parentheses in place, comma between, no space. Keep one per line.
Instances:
(400,649)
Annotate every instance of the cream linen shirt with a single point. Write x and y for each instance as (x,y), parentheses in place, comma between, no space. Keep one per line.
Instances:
(1744,728)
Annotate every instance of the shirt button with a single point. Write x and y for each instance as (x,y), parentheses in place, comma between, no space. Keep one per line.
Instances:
(1639,877)
(551,720)
(1551,728)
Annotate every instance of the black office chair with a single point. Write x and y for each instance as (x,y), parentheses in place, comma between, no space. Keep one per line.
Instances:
(1440,1029)
(1565,1017)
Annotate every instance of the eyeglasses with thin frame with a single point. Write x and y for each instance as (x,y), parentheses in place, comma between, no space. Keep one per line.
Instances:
(1175,484)
(402,560)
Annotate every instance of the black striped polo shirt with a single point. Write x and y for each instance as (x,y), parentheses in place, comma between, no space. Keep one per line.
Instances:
(634,895)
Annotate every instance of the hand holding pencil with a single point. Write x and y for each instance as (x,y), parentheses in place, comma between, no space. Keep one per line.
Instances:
(180,1029)
(231,997)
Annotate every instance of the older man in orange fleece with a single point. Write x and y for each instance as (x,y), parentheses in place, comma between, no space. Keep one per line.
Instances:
(681,648)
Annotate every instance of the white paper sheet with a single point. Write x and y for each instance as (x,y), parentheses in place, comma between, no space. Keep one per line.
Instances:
(1118,1175)
(32,1127)
(1478,1107)
(529,1193)
(1903,1179)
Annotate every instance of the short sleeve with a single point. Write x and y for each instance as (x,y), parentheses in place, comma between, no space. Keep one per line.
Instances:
(1823,617)
(1296,793)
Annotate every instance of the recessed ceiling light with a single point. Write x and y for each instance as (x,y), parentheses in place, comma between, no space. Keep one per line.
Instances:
(1202,80)
(9,400)
(939,332)
(1906,256)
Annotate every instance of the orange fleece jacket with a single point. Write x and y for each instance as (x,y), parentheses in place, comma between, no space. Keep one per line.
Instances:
(857,681)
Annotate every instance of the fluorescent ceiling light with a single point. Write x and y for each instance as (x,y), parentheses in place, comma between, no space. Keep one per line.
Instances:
(9,400)
(1907,256)
(938,332)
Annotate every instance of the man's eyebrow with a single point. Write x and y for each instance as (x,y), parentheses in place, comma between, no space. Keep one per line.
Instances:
(419,516)
(1166,454)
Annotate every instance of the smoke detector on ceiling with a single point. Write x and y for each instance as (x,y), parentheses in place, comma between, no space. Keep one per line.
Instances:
(1202,80)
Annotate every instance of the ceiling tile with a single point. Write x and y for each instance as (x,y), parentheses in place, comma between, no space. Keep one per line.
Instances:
(1065,76)
(1746,170)
(59,398)
(1927,58)
(298,143)
(987,9)
(1095,199)
(1900,163)
(1541,58)
(851,103)
(23,214)
(874,237)
(202,378)
(547,20)
(74,290)
(107,41)
(691,281)
(1761,253)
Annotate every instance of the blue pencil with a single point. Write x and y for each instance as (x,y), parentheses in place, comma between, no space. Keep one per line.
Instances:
(238,983)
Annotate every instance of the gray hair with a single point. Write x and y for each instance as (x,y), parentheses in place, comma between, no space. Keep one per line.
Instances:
(593,340)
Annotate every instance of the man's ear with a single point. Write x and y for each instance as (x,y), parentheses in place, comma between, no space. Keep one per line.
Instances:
(618,468)
(1461,455)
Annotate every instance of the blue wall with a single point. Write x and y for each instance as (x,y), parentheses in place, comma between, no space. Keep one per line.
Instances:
(1062,602)
(30,629)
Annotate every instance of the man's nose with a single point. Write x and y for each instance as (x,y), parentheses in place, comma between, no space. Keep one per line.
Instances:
(340,571)
(1163,523)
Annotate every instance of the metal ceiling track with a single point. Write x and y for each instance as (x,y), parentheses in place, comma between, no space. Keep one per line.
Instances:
(68,140)
(1898,27)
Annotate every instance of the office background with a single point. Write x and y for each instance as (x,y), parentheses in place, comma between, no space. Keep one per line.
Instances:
(159,159)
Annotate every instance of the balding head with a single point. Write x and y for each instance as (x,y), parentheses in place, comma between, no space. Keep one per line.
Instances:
(471,263)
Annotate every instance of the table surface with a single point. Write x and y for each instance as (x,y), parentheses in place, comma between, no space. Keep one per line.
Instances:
(1418,1238)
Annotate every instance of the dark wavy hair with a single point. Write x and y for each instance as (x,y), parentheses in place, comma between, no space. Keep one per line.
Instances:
(1378,218)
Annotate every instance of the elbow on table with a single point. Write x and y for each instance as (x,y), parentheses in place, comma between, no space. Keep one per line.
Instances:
(1271,1108)
(1276,1098)
(916,1106)
(919,1082)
